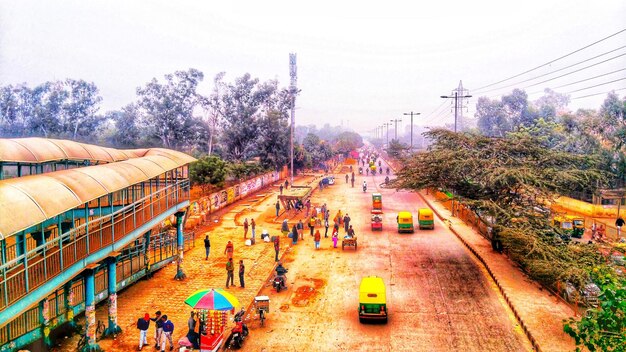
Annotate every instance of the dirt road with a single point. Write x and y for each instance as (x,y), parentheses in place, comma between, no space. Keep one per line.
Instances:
(439,299)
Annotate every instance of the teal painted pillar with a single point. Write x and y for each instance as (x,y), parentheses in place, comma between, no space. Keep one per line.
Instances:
(44,320)
(20,244)
(69,303)
(90,312)
(180,242)
(113,328)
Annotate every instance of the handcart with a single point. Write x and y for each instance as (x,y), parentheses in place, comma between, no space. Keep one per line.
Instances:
(262,305)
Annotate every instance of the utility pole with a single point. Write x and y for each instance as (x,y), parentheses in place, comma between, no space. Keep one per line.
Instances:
(412,113)
(459,94)
(395,121)
(293,73)
(387,124)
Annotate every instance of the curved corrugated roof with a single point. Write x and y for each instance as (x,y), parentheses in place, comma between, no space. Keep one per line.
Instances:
(29,200)
(39,150)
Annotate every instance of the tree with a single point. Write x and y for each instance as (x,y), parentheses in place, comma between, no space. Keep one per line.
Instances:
(212,106)
(127,132)
(496,118)
(347,142)
(80,109)
(603,327)
(169,108)
(209,171)
(508,179)
(273,140)
(396,149)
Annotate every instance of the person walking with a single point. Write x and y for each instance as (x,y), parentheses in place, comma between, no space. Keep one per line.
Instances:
(312,224)
(317,239)
(253,226)
(619,223)
(346,178)
(143,324)
(276,247)
(281,188)
(245,228)
(284,228)
(242,270)
(168,329)
(286,184)
(300,228)
(207,247)
(346,222)
(335,236)
(294,235)
(308,207)
(277,208)
(229,250)
(326,228)
(230,270)
(158,328)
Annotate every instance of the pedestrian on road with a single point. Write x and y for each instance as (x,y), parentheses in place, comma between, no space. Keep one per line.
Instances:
(346,178)
(312,224)
(245,228)
(207,247)
(619,223)
(317,239)
(284,228)
(276,247)
(300,228)
(229,250)
(192,335)
(277,208)
(253,226)
(286,184)
(294,235)
(230,270)
(308,207)
(158,328)
(346,222)
(168,329)
(143,324)
(335,236)
(281,188)
(242,270)
(326,227)
(327,215)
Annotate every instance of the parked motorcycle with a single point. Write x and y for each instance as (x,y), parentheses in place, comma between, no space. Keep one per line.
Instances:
(280,280)
(238,333)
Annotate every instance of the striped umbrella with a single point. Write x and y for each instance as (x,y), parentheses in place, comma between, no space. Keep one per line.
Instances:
(213,299)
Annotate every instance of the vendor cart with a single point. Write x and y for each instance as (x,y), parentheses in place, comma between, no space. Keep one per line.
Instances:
(377,222)
(262,305)
(349,242)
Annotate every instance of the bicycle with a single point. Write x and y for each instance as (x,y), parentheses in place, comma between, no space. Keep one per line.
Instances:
(262,304)
(82,342)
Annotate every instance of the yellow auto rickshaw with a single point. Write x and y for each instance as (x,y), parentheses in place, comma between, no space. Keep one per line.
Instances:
(405,222)
(425,219)
(372,299)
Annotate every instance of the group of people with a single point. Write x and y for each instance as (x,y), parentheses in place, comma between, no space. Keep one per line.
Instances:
(230,267)
(297,230)
(162,332)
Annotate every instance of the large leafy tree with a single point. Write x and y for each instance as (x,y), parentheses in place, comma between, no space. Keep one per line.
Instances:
(209,171)
(497,117)
(169,106)
(273,140)
(508,179)
(127,132)
(347,142)
(80,109)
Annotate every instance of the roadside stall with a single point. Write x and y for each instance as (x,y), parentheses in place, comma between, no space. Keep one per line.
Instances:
(212,307)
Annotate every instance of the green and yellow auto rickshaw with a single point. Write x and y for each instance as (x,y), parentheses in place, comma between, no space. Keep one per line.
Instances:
(405,222)
(372,299)
(570,224)
(425,218)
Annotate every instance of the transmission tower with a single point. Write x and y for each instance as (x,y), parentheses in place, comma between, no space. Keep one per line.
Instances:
(458,95)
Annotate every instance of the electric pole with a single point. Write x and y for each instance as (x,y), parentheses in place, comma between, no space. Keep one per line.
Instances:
(293,73)
(458,95)
(395,121)
(412,113)
(387,124)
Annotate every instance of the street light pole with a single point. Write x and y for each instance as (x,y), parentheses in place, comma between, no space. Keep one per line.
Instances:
(412,113)
(456,98)
(396,127)
(387,124)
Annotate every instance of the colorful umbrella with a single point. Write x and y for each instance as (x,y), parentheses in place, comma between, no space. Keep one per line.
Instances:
(213,299)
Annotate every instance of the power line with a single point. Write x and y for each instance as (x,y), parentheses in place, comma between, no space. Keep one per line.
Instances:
(593,95)
(597,85)
(588,79)
(557,59)
(561,69)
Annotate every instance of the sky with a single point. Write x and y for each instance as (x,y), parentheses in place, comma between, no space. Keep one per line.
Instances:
(360,63)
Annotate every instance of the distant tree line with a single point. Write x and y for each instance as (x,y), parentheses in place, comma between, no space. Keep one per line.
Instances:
(244,123)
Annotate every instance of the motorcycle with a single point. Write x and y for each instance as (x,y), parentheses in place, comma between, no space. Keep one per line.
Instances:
(238,333)
(279,282)
(387,171)
(364,188)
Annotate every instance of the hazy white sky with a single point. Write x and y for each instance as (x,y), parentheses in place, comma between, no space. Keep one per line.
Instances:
(360,62)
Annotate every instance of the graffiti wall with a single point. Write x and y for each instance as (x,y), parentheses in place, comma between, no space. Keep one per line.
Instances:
(224,197)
